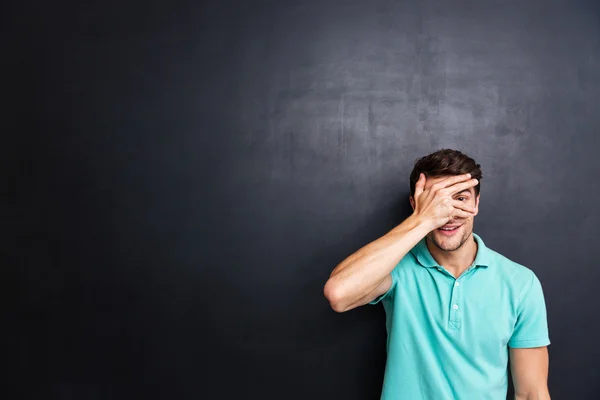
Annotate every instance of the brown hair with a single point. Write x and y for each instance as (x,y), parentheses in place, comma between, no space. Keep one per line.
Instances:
(445,162)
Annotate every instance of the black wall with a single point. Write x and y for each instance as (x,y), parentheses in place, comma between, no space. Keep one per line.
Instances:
(179,179)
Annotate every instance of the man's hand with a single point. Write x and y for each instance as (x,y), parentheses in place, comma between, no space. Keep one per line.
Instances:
(436,204)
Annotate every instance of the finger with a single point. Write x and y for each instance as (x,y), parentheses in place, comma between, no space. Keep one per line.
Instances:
(420,184)
(461,214)
(459,187)
(451,180)
(461,205)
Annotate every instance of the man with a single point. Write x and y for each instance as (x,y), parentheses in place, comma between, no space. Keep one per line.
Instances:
(455,309)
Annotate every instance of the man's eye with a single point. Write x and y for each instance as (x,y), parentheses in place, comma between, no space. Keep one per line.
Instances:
(461,198)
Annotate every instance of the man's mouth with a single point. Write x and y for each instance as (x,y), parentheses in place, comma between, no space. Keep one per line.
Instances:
(449,230)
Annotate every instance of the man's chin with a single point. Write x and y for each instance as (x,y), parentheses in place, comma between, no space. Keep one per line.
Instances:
(447,246)
(445,243)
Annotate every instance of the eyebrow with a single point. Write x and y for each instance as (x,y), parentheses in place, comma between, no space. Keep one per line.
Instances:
(464,191)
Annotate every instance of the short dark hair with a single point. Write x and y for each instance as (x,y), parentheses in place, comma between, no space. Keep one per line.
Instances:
(445,162)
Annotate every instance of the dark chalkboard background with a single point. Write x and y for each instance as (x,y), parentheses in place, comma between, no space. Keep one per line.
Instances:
(180,178)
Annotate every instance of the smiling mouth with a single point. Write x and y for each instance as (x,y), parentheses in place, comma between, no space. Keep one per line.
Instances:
(448,230)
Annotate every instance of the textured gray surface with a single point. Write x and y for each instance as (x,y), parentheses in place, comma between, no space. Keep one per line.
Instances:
(336,102)
(184,177)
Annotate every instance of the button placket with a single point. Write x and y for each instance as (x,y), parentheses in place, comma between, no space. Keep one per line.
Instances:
(455,319)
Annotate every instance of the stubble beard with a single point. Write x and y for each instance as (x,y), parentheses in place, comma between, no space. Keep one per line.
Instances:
(450,247)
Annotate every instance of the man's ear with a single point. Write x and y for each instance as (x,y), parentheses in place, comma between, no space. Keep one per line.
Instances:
(476,205)
(412,202)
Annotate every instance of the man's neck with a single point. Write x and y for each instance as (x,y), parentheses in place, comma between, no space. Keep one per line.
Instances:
(457,261)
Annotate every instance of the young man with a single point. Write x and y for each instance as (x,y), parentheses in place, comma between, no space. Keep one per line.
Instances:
(455,309)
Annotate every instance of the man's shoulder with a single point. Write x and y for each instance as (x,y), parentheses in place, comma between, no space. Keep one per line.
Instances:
(510,269)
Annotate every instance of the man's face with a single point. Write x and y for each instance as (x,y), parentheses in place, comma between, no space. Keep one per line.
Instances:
(453,240)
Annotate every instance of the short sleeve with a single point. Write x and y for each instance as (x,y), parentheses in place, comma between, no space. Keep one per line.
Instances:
(531,327)
(391,290)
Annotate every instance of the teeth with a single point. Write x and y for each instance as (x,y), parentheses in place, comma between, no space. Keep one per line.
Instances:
(449,229)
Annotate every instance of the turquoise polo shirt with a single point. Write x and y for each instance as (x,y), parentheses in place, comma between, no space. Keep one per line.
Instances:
(448,338)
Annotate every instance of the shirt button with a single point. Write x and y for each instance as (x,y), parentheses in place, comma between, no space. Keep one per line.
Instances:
(457,283)
(455,306)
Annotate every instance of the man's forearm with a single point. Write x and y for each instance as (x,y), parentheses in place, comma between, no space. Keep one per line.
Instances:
(359,274)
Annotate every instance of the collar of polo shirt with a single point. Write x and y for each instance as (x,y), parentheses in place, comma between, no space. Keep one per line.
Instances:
(482,259)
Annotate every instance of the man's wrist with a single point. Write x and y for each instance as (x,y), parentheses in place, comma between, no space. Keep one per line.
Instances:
(420,223)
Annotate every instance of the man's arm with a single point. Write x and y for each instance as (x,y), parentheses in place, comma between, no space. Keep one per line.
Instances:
(365,275)
(529,370)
